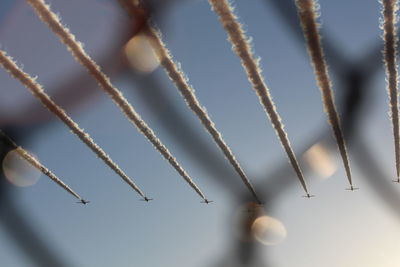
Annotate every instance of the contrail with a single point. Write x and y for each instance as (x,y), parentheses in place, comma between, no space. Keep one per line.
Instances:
(179,79)
(308,18)
(35,163)
(37,90)
(242,48)
(390,38)
(76,49)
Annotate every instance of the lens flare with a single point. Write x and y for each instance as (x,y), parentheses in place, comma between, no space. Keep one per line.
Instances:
(18,171)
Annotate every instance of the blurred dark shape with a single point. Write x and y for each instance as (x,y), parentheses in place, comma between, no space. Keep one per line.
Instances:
(29,238)
(172,119)
(20,227)
(5,147)
(286,9)
(179,128)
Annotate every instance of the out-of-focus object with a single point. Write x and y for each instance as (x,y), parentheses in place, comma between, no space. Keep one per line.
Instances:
(320,160)
(268,230)
(18,171)
(140,54)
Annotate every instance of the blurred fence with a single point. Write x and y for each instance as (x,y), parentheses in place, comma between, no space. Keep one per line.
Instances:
(353,76)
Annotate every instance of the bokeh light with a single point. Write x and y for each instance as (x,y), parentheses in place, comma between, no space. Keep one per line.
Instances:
(243,220)
(268,230)
(18,171)
(140,54)
(320,160)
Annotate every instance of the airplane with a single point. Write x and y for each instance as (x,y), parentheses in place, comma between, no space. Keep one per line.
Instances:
(146,199)
(206,201)
(309,196)
(84,202)
(352,188)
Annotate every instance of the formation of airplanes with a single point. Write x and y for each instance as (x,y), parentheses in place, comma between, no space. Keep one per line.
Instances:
(206,201)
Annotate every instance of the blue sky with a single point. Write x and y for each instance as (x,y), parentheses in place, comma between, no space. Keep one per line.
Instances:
(175,229)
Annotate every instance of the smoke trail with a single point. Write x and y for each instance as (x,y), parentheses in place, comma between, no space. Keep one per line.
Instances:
(242,48)
(36,89)
(390,38)
(178,77)
(76,49)
(308,16)
(35,163)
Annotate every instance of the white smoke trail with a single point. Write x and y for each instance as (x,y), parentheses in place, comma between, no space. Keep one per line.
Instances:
(390,38)
(308,17)
(35,163)
(242,48)
(76,49)
(36,89)
(179,79)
